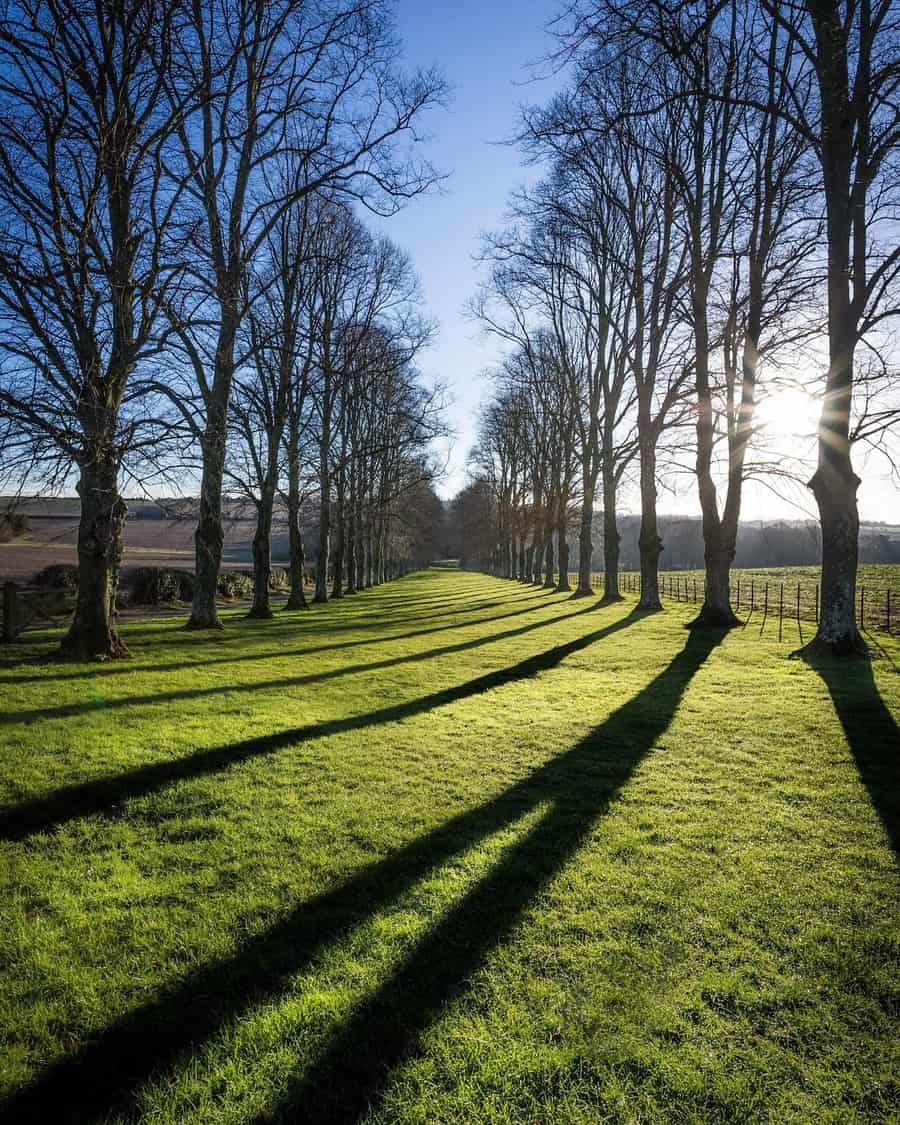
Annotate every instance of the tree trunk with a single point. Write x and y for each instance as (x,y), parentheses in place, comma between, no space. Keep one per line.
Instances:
(337,555)
(351,549)
(370,552)
(611,536)
(649,541)
(297,597)
(209,536)
(716,611)
(549,582)
(360,552)
(586,544)
(322,560)
(835,493)
(92,634)
(262,555)
(379,552)
(834,483)
(563,585)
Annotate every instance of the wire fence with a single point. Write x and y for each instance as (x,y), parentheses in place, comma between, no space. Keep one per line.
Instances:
(780,603)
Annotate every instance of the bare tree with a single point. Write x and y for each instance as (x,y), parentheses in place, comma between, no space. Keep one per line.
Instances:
(311,84)
(851,53)
(739,175)
(84,266)
(615,157)
(275,379)
(365,293)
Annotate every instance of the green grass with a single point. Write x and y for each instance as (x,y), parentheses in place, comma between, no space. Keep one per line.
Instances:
(453,850)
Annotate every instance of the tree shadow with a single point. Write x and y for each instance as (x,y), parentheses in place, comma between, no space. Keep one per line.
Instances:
(237,631)
(96,796)
(104,672)
(872,735)
(67,710)
(580,784)
(105,1076)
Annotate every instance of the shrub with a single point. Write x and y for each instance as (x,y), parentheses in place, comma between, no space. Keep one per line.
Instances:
(46,606)
(156,585)
(235,584)
(57,576)
(279,579)
(13,524)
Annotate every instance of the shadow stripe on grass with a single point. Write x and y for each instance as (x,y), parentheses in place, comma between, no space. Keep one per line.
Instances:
(67,710)
(97,796)
(106,1075)
(124,669)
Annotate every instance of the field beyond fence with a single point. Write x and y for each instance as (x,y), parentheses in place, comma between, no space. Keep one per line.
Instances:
(783,598)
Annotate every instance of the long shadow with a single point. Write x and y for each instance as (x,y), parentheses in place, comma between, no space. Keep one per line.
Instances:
(237,657)
(872,735)
(67,710)
(318,619)
(90,797)
(236,632)
(105,1076)
(440,600)
(347,1080)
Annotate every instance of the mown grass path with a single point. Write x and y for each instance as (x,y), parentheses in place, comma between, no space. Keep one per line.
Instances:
(453,850)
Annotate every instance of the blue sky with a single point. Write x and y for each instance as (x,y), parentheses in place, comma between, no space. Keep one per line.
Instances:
(484,49)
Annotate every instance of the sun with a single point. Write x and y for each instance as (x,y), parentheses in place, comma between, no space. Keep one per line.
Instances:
(788,412)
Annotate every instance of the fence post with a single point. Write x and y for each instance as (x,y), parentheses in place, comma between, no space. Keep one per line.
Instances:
(862,607)
(752,595)
(739,596)
(799,625)
(817,603)
(780,608)
(888,613)
(9,612)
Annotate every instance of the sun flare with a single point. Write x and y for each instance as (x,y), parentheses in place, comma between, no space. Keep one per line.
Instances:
(790,412)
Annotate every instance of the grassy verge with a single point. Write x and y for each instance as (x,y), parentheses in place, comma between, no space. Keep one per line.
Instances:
(451,850)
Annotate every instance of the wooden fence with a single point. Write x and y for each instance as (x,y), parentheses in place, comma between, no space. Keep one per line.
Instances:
(781,602)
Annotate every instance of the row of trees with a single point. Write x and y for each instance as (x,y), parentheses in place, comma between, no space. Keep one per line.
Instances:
(184,280)
(720,189)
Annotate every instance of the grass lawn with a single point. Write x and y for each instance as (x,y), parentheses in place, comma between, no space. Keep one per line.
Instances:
(452,850)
